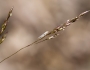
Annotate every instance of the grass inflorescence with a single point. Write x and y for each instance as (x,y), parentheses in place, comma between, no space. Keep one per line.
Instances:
(45,36)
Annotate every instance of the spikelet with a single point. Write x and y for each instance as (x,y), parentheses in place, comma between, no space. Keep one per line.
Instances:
(61,27)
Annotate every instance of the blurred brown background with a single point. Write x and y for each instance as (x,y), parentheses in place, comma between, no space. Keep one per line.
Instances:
(69,51)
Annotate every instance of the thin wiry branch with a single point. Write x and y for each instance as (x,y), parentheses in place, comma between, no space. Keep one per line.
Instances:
(3,27)
(50,34)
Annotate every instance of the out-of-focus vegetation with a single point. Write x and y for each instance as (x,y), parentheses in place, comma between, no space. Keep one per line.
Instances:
(3,26)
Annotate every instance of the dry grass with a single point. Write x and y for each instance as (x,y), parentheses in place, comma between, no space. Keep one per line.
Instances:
(45,36)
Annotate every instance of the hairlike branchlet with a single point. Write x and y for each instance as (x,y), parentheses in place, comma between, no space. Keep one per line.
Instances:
(50,34)
(3,27)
